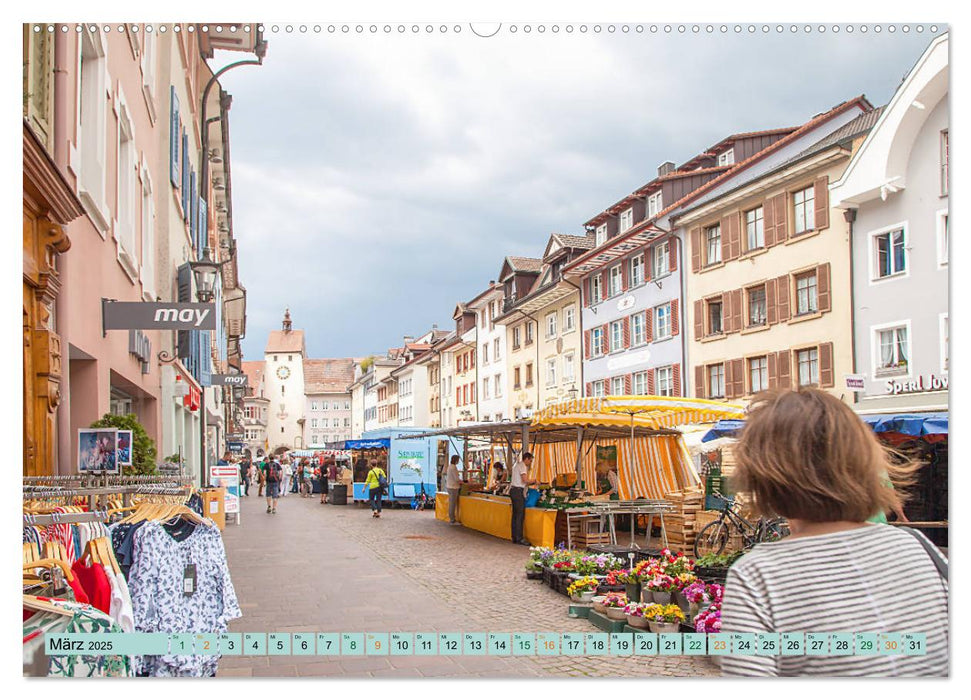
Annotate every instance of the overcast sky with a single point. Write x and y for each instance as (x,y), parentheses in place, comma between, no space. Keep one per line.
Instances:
(379,180)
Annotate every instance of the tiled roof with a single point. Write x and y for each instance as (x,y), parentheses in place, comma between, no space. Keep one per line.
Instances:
(254,372)
(582,242)
(285,341)
(856,127)
(418,346)
(328,376)
(525,264)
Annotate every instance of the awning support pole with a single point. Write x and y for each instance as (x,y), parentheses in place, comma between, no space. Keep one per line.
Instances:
(579,454)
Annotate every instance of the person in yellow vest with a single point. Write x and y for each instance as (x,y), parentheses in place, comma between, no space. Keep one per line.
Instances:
(377,482)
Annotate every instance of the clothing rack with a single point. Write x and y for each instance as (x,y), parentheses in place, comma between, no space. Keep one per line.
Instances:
(93,494)
(69,518)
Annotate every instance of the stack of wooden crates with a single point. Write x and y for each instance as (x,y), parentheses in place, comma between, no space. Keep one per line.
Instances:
(681,525)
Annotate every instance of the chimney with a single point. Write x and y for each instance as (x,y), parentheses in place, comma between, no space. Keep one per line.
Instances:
(665,168)
(434,326)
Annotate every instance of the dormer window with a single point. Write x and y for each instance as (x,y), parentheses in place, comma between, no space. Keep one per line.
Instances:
(601,234)
(627,219)
(727,157)
(654,205)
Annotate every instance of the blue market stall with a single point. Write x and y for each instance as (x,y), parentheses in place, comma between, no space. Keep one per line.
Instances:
(411,464)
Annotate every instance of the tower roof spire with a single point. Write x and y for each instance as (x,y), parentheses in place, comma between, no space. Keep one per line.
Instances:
(287,323)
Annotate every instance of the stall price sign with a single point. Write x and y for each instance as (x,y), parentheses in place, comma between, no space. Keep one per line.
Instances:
(523,644)
(402,644)
(426,644)
(500,644)
(328,644)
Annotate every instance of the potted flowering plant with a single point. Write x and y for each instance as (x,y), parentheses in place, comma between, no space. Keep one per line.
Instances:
(635,615)
(681,581)
(696,594)
(582,590)
(676,564)
(710,619)
(661,587)
(598,603)
(615,603)
(629,580)
(664,618)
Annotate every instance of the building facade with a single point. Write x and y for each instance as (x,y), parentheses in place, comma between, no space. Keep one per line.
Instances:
(490,343)
(518,276)
(284,381)
(895,193)
(255,409)
(770,276)
(327,406)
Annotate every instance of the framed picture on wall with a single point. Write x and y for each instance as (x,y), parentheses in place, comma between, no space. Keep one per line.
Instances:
(125,449)
(98,450)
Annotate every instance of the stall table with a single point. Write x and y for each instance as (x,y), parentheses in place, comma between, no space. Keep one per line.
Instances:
(493,515)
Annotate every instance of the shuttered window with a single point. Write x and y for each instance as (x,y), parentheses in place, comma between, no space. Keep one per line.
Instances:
(713,245)
(756,306)
(662,322)
(640,383)
(808,365)
(758,374)
(803,203)
(637,270)
(638,329)
(716,381)
(806,296)
(617,386)
(664,381)
(662,259)
(596,342)
(754,229)
(617,335)
(714,317)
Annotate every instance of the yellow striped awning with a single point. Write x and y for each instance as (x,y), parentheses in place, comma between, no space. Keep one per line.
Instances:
(657,412)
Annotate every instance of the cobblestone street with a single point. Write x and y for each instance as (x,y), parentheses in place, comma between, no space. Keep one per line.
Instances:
(321,568)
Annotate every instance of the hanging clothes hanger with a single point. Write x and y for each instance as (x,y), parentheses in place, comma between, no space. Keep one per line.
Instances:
(49,563)
(32,602)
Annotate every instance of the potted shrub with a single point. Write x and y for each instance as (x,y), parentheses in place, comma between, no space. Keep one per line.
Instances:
(660,587)
(583,590)
(615,603)
(664,618)
(635,615)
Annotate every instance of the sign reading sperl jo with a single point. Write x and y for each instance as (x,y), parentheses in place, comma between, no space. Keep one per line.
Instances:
(152,315)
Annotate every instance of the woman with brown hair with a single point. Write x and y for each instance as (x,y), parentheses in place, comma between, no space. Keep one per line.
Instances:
(806,456)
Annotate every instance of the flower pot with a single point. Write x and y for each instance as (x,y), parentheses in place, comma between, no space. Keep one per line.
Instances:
(633,591)
(681,600)
(693,610)
(616,614)
(637,621)
(598,605)
(575,576)
(658,627)
(584,597)
(661,598)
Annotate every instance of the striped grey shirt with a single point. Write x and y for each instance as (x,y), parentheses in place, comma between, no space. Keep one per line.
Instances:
(871,579)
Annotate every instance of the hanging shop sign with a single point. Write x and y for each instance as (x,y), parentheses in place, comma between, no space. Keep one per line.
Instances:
(235,448)
(192,399)
(152,315)
(855,382)
(227,380)
(930,382)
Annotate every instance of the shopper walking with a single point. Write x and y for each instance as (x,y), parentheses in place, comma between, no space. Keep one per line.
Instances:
(376,482)
(519,481)
(244,467)
(306,479)
(261,477)
(453,484)
(806,456)
(324,481)
(274,475)
(287,477)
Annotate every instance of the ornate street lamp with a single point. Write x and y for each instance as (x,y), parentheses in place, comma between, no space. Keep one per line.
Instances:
(205,271)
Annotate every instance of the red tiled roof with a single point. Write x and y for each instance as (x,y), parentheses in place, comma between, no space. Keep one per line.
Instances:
(285,341)
(525,264)
(328,376)
(254,372)
(860,100)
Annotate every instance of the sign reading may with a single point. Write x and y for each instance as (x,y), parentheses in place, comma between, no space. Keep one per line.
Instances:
(151,315)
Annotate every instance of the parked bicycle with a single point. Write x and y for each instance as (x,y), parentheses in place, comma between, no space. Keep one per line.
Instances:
(422,500)
(715,536)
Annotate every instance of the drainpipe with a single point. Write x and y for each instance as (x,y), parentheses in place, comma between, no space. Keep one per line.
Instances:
(849,215)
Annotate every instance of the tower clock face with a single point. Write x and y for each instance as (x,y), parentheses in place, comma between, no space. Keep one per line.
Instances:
(283,372)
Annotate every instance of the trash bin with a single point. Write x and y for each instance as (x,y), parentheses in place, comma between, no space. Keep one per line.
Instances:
(338,495)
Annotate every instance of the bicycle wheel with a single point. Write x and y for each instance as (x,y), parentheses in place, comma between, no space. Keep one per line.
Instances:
(775,529)
(712,539)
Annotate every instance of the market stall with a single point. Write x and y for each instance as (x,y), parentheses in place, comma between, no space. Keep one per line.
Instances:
(410,464)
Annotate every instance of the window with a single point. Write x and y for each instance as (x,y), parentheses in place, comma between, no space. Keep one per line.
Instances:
(485,353)
(515,382)
(313,423)
(803,203)
(662,322)
(662,258)
(92,132)
(758,374)
(551,372)
(617,335)
(596,289)
(601,234)
(716,381)
(806,294)
(568,375)
(890,254)
(755,229)
(654,205)
(283,389)
(275,358)
(617,386)
(485,388)
(945,155)
(127,166)
(713,245)
(627,219)
(756,306)
(596,342)
(148,237)
(637,270)
(569,318)
(326,406)
(638,329)
(347,405)
(313,405)
(516,333)
(943,234)
(808,363)
(664,379)
(640,384)
(495,348)
(498,381)
(324,423)
(148,68)
(599,388)
(289,358)
(529,374)
(529,333)
(551,325)
(616,281)
(727,157)
(893,351)
(347,422)
(714,317)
